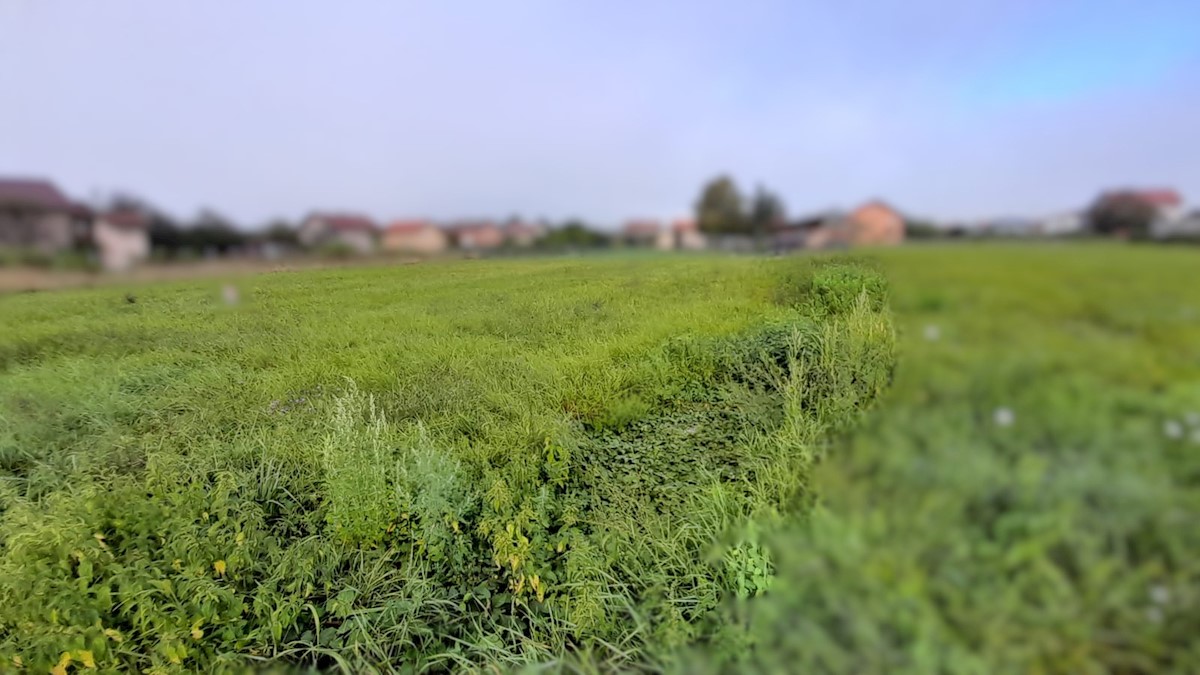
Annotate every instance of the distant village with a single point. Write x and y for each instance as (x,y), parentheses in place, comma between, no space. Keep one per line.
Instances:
(39,225)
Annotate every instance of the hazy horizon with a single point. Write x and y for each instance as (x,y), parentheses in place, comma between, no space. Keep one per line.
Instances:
(604,111)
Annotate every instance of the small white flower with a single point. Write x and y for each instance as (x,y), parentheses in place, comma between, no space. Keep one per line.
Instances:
(1003,417)
(230,294)
(1192,419)
(1159,594)
(1154,615)
(1172,429)
(933,333)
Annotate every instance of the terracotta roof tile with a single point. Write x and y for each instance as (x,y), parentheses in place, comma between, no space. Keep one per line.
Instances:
(347,223)
(408,226)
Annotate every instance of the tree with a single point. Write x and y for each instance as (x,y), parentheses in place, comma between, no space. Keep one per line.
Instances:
(719,210)
(573,234)
(766,212)
(165,237)
(213,232)
(281,232)
(1122,214)
(922,229)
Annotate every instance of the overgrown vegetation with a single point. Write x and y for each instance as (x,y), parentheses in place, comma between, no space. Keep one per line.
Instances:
(423,468)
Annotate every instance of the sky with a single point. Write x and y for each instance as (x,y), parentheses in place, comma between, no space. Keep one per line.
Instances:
(604,110)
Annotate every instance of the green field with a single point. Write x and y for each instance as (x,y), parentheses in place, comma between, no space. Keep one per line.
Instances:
(1065,541)
(679,463)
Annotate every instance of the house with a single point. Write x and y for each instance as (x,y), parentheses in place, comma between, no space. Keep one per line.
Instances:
(477,236)
(795,234)
(521,234)
(647,232)
(1011,226)
(34,214)
(686,235)
(355,232)
(122,238)
(872,224)
(1061,224)
(1184,227)
(640,232)
(1168,202)
(415,236)
(1170,221)
(877,224)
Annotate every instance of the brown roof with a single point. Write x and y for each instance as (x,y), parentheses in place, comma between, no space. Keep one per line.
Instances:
(685,225)
(33,193)
(126,219)
(346,223)
(472,227)
(408,226)
(635,228)
(518,228)
(874,204)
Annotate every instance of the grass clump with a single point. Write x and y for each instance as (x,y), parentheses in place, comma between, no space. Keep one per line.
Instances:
(360,503)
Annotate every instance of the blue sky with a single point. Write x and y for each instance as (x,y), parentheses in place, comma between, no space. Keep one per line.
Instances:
(605,110)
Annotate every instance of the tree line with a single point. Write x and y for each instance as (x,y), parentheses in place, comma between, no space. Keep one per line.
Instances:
(723,210)
(209,232)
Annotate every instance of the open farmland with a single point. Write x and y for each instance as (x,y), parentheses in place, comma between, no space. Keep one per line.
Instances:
(418,467)
(643,462)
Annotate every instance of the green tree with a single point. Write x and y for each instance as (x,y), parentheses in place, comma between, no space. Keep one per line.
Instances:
(281,232)
(923,229)
(573,234)
(1122,214)
(212,232)
(720,208)
(766,212)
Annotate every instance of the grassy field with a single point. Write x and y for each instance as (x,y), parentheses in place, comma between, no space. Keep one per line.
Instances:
(656,463)
(421,467)
(1025,497)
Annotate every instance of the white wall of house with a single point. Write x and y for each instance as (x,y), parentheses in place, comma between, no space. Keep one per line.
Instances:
(312,231)
(1062,223)
(120,247)
(664,240)
(359,241)
(690,240)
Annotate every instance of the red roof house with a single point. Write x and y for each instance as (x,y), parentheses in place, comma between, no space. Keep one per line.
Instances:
(414,236)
